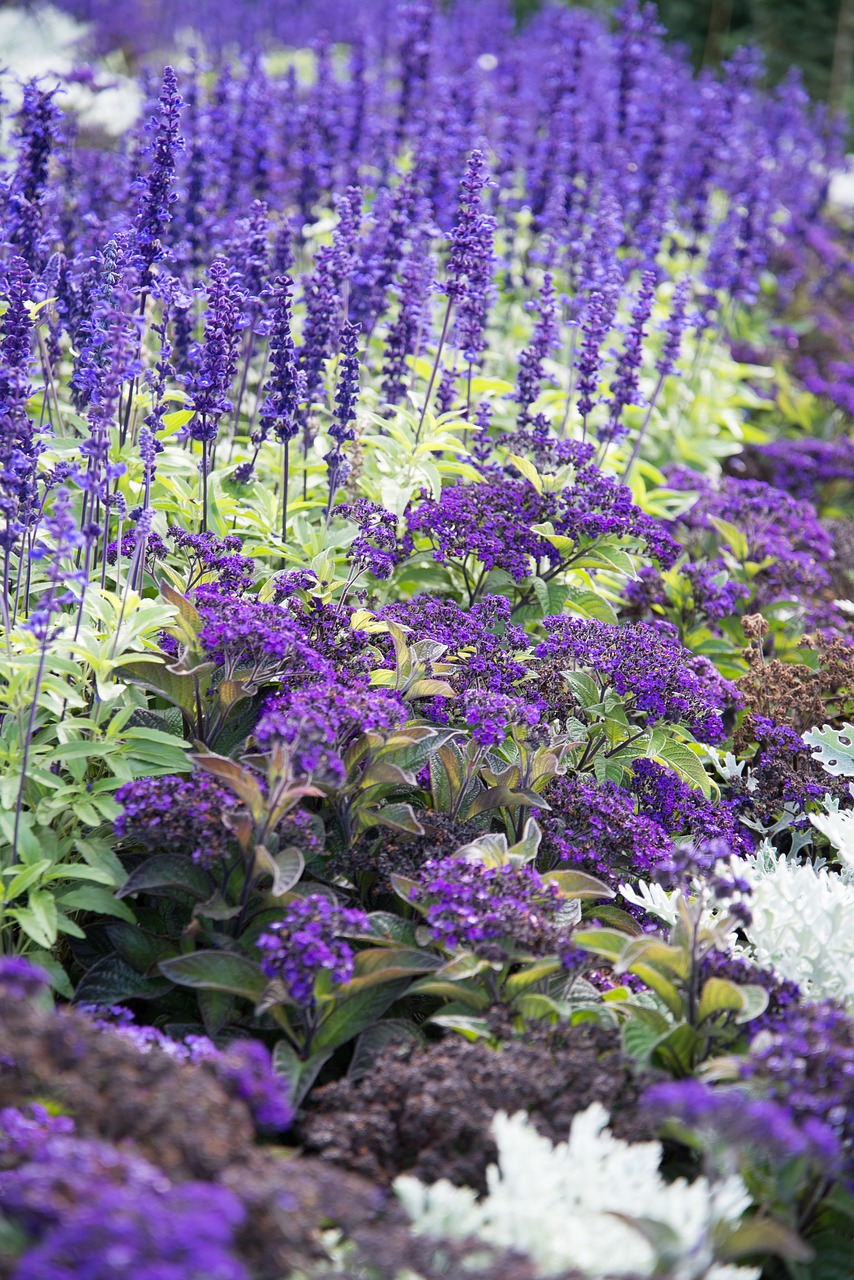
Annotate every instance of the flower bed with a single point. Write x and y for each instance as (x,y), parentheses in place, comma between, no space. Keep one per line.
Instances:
(427,670)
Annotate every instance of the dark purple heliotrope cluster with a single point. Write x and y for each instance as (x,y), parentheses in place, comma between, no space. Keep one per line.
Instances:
(468,904)
(807,1061)
(320,720)
(733,1118)
(780,529)
(304,943)
(177,815)
(594,826)
(646,664)
(491,522)
(94,1210)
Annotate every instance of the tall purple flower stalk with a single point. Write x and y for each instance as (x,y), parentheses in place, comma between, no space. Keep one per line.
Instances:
(413,311)
(216,364)
(156,194)
(674,331)
(588,362)
(471,266)
(625,388)
(280,409)
(18,445)
(37,129)
(543,341)
(346,397)
(469,262)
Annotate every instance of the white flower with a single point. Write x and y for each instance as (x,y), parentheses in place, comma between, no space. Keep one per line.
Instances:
(45,43)
(803,926)
(559,1204)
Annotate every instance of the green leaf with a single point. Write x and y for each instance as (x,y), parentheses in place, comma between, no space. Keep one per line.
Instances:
(471,1029)
(112,980)
(387,925)
(215,1007)
(298,1074)
(165,872)
(678,1050)
(39,919)
(719,995)
(400,817)
(732,536)
(529,976)
(376,1038)
(639,1041)
(93,897)
(662,986)
(578,884)
(140,949)
(584,687)
(351,1016)
(467,993)
(602,942)
(58,977)
(286,868)
(528,470)
(156,676)
(676,756)
(22,879)
(767,1235)
(218,970)
(755,999)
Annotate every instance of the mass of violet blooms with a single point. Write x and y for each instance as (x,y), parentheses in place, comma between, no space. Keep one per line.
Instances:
(417,585)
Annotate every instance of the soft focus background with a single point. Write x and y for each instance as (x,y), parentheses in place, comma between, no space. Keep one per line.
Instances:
(815,35)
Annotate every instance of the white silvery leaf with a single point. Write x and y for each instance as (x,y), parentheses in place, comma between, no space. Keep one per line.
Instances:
(839,829)
(834,749)
(653,898)
(803,926)
(565,1206)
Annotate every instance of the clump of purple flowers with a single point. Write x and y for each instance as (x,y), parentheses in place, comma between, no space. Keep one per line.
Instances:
(320,721)
(489,716)
(594,826)
(779,528)
(482,640)
(469,904)
(20,979)
(733,1118)
(682,810)
(376,549)
(304,943)
(646,664)
(212,562)
(260,638)
(807,1062)
(94,1210)
(803,468)
(712,593)
(177,815)
(492,521)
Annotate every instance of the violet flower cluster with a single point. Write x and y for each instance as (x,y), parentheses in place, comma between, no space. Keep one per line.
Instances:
(646,664)
(177,815)
(92,1209)
(468,904)
(320,720)
(304,943)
